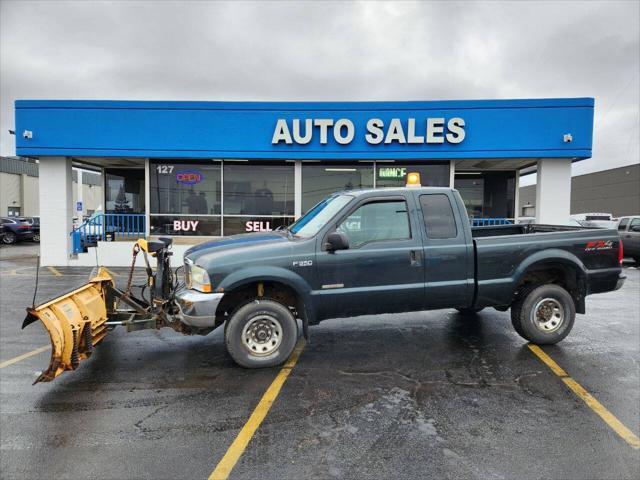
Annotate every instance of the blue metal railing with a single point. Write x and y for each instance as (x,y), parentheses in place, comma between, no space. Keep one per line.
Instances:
(109,227)
(485,222)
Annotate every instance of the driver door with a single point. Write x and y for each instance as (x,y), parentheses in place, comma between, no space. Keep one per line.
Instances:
(382,271)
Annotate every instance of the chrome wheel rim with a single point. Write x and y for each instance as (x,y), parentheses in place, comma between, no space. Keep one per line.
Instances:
(548,315)
(262,335)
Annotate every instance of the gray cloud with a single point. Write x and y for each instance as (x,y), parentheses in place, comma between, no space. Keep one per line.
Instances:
(330,51)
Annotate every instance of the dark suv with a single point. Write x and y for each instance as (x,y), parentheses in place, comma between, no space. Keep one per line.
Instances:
(16,230)
(35,226)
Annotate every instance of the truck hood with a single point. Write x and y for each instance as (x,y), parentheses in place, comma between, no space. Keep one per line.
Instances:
(234,243)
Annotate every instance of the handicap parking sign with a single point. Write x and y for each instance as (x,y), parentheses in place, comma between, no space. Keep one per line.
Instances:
(79,206)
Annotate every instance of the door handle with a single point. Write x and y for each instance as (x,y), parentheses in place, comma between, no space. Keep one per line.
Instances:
(415,258)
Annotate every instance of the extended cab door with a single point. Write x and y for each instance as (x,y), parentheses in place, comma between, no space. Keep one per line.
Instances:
(382,271)
(448,252)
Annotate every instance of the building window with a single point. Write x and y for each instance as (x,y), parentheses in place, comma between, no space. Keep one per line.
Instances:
(432,174)
(321,180)
(487,194)
(124,191)
(185,189)
(258,189)
(258,197)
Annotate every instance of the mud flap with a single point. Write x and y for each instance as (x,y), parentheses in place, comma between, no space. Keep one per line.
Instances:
(75,322)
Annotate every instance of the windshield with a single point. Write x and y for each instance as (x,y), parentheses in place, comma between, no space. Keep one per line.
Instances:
(316,218)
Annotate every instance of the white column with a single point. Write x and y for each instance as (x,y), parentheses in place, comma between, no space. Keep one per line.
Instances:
(553,191)
(516,210)
(147,198)
(452,173)
(297,188)
(56,210)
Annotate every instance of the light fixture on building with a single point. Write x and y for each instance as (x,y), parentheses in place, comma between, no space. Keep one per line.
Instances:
(567,138)
(339,169)
(27,134)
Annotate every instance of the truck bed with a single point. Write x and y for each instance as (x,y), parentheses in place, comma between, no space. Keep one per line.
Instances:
(503,252)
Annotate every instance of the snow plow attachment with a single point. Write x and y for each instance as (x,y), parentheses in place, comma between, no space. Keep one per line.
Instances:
(76,323)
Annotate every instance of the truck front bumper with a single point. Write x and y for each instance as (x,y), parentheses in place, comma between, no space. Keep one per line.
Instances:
(198,309)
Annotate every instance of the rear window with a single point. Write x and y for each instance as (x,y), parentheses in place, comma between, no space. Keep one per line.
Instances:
(438,216)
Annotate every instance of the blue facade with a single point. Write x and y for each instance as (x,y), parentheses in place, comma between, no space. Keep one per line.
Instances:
(492,129)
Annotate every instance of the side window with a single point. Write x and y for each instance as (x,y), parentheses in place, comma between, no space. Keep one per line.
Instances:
(635,223)
(377,221)
(623,223)
(438,216)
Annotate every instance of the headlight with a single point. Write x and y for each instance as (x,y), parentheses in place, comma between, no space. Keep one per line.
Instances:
(199,279)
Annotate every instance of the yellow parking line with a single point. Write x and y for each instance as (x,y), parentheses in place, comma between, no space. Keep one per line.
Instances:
(608,417)
(55,271)
(6,363)
(237,448)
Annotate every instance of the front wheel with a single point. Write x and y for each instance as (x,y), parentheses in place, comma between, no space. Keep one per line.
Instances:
(36,238)
(544,314)
(262,333)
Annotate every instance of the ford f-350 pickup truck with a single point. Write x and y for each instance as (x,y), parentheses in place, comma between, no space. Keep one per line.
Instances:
(354,253)
(392,250)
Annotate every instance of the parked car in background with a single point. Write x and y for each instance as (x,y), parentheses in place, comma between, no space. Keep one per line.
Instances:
(629,230)
(35,225)
(2,230)
(609,224)
(15,230)
(571,222)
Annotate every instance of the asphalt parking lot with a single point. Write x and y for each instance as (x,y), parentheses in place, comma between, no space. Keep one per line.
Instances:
(425,395)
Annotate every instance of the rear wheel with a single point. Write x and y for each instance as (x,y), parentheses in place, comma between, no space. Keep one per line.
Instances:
(9,238)
(262,333)
(544,314)
(36,237)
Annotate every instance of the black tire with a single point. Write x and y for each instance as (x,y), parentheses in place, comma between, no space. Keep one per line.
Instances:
(9,238)
(267,317)
(469,311)
(543,314)
(637,260)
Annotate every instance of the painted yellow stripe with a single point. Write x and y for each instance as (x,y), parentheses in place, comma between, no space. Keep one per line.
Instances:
(55,271)
(237,448)
(608,417)
(6,363)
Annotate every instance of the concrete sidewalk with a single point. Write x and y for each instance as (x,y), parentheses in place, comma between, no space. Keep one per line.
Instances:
(19,250)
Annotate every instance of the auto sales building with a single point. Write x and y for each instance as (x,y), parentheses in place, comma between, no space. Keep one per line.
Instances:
(211,169)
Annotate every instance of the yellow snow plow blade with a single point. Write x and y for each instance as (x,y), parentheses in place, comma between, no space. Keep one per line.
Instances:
(75,322)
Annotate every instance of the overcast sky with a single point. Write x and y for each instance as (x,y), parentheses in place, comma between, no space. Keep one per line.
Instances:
(330,51)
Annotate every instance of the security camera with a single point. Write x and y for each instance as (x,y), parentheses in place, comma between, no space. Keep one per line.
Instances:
(27,134)
(568,138)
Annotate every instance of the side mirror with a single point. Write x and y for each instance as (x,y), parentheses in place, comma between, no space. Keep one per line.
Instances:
(337,241)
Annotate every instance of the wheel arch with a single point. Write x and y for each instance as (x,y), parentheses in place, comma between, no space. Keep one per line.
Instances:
(554,266)
(277,283)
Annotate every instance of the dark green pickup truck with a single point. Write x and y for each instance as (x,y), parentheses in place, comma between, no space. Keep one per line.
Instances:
(392,250)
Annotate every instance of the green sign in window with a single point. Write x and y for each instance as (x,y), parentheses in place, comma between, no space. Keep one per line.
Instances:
(392,172)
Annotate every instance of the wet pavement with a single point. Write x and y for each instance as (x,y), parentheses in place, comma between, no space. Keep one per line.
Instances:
(430,394)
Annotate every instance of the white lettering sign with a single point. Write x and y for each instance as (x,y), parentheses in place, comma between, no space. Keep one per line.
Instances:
(185,225)
(255,226)
(395,131)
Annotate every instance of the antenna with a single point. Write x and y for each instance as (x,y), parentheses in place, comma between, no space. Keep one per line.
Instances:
(35,292)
